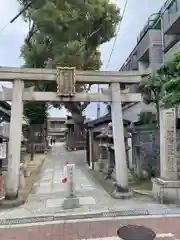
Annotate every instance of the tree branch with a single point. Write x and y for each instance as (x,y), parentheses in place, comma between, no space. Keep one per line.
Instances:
(84,105)
(93,33)
(30,35)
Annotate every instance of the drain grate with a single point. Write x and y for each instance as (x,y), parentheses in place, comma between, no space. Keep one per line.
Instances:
(137,212)
(133,232)
(26,220)
(165,211)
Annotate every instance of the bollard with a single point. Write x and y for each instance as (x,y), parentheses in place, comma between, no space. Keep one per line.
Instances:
(71,201)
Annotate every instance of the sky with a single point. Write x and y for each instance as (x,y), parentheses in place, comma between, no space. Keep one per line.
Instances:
(135,17)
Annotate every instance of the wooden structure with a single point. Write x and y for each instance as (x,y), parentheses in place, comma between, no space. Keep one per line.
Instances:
(75,137)
(19,94)
(57,128)
(100,144)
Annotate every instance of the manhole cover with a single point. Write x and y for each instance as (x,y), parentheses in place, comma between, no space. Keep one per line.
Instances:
(134,232)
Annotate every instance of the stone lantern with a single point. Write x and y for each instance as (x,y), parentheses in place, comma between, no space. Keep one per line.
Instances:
(103,149)
(111,164)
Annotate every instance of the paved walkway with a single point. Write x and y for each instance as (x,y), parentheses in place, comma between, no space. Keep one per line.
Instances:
(48,193)
(166,228)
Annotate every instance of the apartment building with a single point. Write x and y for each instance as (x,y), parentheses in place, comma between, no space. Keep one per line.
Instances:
(158,40)
(148,51)
(171,27)
(156,43)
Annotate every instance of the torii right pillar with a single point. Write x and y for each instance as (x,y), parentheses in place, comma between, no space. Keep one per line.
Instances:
(122,190)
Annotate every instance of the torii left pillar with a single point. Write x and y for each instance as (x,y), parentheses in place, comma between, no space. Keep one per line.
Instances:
(12,178)
(122,190)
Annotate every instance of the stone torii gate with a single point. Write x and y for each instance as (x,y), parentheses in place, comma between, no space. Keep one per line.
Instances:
(66,79)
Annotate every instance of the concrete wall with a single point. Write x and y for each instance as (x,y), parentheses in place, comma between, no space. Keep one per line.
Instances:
(155,51)
(174,49)
(152,42)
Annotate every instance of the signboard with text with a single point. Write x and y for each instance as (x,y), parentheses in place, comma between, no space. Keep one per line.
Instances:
(65,81)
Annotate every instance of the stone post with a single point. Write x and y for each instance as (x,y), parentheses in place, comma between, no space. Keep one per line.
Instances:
(12,177)
(90,148)
(70,181)
(119,145)
(71,201)
(167,187)
(130,152)
(168,148)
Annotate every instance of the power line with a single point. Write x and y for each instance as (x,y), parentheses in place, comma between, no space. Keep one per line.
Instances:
(124,10)
(17,16)
(119,27)
(2,29)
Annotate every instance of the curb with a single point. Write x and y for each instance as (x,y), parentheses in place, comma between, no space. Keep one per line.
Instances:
(107,214)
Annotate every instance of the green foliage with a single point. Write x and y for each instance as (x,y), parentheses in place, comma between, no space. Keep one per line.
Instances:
(171,68)
(147,118)
(70,33)
(163,87)
(152,89)
(172,87)
(36,113)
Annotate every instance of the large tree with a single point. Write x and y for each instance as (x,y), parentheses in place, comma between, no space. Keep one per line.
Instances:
(69,32)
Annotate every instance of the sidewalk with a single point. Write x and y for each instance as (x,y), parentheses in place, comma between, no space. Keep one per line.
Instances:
(166,228)
(45,201)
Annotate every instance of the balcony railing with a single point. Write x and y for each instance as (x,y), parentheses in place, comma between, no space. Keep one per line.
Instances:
(151,24)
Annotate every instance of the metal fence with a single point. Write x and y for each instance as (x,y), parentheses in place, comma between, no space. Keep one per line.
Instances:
(146,151)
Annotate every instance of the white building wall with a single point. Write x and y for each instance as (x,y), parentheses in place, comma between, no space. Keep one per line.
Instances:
(132,113)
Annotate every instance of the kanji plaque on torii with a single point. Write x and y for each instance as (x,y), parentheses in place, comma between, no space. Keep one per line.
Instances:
(65,81)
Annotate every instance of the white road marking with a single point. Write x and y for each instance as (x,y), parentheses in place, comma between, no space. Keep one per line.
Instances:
(105,238)
(162,235)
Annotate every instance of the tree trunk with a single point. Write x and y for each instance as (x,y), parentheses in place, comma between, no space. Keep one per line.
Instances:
(79,137)
(78,118)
